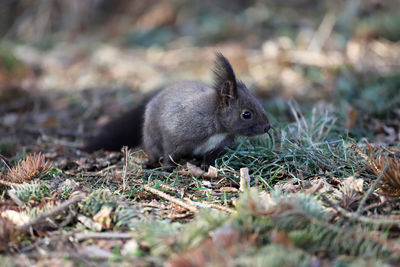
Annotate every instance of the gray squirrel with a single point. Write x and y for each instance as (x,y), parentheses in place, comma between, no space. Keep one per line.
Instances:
(188,119)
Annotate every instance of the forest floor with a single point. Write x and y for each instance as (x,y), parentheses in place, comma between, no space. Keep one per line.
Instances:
(322,188)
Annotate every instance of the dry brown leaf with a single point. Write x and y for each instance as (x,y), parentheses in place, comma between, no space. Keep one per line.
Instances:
(193,169)
(197,171)
(354,184)
(288,186)
(103,216)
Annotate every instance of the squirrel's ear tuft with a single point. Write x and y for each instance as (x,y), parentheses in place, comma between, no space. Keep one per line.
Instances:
(224,79)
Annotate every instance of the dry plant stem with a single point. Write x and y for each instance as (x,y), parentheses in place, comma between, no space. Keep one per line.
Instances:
(15,198)
(371,190)
(83,236)
(220,207)
(6,183)
(322,35)
(168,187)
(4,160)
(125,168)
(357,217)
(392,149)
(373,206)
(54,211)
(244,179)
(171,199)
(49,240)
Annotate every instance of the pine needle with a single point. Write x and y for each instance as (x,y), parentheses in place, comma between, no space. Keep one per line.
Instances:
(34,165)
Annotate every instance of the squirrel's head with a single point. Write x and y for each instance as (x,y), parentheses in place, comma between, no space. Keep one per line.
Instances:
(238,110)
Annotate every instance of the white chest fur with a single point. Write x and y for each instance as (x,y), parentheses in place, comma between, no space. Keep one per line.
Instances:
(211,143)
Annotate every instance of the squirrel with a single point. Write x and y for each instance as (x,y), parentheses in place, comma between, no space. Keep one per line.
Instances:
(188,119)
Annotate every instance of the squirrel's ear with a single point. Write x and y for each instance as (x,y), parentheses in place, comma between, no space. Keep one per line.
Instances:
(224,80)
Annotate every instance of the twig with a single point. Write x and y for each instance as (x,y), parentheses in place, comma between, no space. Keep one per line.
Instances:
(220,207)
(168,187)
(323,33)
(348,17)
(5,161)
(125,150)
(45,215)
(83,236)
(15,198)
(7,183)
(244,179)
(357,217)
(171,199)
(371,190)
(47,240)
(309,58)
(373,206)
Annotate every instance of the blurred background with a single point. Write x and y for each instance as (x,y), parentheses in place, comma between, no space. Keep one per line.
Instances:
(69,66)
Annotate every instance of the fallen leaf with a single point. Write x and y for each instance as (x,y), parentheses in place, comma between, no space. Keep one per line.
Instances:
(354,184)
(193,169)
(103,216)
(212,172)
(206,183)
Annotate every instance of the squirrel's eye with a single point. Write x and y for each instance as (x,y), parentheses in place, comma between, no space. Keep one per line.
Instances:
(246,114)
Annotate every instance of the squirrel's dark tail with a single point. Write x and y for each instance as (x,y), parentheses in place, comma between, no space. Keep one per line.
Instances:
(125,130)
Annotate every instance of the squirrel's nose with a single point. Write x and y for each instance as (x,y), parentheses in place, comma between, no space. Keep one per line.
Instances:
(267,127)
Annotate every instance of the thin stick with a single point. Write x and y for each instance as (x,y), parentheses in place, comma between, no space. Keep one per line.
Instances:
(220,207)
(171,199)
(4,160)
(15,198)
(125,149)
(323,33)
(83,236)
(371,190)
(244,179)
(6,183)
(357,217)
(373,206)
(45,215)
(49,240)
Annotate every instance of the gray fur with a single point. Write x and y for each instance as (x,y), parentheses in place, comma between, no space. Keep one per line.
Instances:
(193,119)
